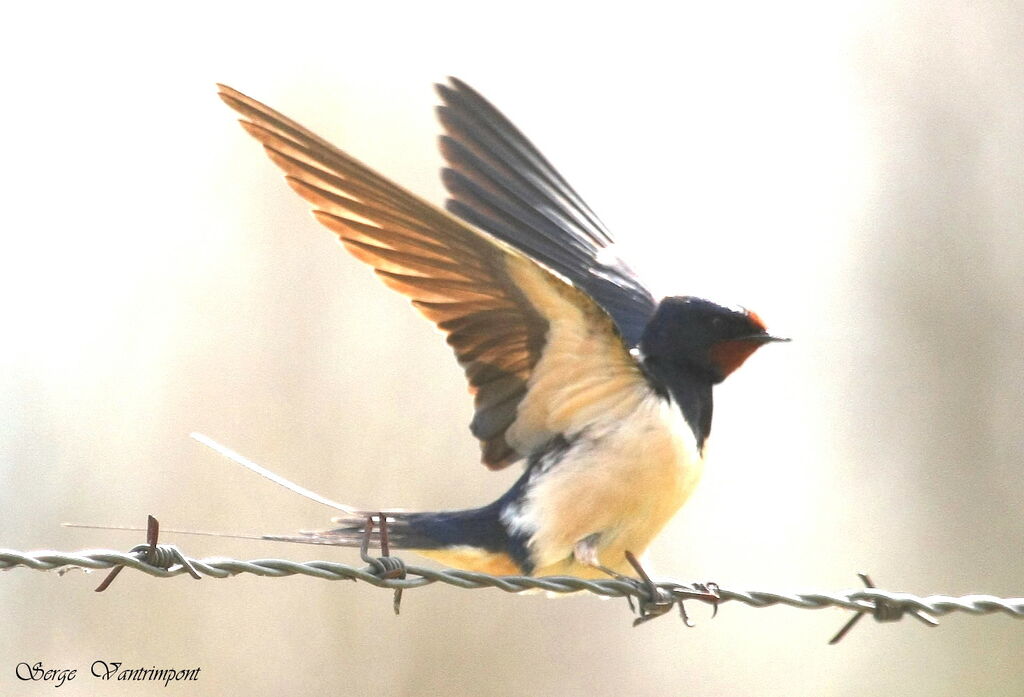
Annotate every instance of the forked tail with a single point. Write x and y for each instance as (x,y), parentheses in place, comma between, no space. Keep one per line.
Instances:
(472,539)
(478,528)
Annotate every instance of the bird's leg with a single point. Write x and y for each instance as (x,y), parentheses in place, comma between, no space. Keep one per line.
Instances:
(585,552)
(657,602)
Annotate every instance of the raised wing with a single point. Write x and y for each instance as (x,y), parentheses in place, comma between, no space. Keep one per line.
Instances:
(540,355)
(500,183)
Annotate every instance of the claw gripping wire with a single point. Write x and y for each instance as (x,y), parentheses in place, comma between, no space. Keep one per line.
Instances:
(653,598)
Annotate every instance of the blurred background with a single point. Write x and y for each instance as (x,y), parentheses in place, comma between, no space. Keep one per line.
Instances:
(850,170)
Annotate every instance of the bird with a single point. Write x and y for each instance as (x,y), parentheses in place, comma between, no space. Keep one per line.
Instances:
(601,393)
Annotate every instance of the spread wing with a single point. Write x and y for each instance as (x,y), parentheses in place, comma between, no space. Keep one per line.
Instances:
(500,183)
(539,354)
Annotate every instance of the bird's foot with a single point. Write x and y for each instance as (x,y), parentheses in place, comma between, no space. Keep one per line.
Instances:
(657,602)
(654,600)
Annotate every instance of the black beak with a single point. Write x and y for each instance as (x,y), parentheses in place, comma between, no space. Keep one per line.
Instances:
(763,338)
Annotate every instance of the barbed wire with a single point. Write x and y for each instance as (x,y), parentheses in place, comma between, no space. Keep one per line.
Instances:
(652,599)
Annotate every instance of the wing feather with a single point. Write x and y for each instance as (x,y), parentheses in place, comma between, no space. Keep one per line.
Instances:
(527,339)
(500,183)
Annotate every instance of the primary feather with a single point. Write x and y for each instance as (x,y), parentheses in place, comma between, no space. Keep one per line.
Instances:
(500,182)
(533,347)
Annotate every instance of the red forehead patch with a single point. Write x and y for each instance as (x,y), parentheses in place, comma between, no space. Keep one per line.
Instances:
(753,317)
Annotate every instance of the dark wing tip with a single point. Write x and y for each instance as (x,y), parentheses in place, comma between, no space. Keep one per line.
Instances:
(461,85)
(445,91)
(460,88)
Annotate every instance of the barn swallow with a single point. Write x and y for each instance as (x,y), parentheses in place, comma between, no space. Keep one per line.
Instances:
(601,392)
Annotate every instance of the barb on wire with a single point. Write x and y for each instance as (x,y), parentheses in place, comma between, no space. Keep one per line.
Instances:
(883,611)
(160,556)
(859,600)
(386,565)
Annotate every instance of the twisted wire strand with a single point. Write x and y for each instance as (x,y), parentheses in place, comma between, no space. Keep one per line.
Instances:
(670,592)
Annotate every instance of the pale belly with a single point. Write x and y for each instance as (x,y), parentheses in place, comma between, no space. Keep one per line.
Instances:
(624,481)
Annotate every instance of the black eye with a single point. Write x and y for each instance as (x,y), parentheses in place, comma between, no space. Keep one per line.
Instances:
(716,322)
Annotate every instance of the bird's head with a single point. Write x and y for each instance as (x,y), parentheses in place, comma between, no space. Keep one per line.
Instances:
(702,336)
